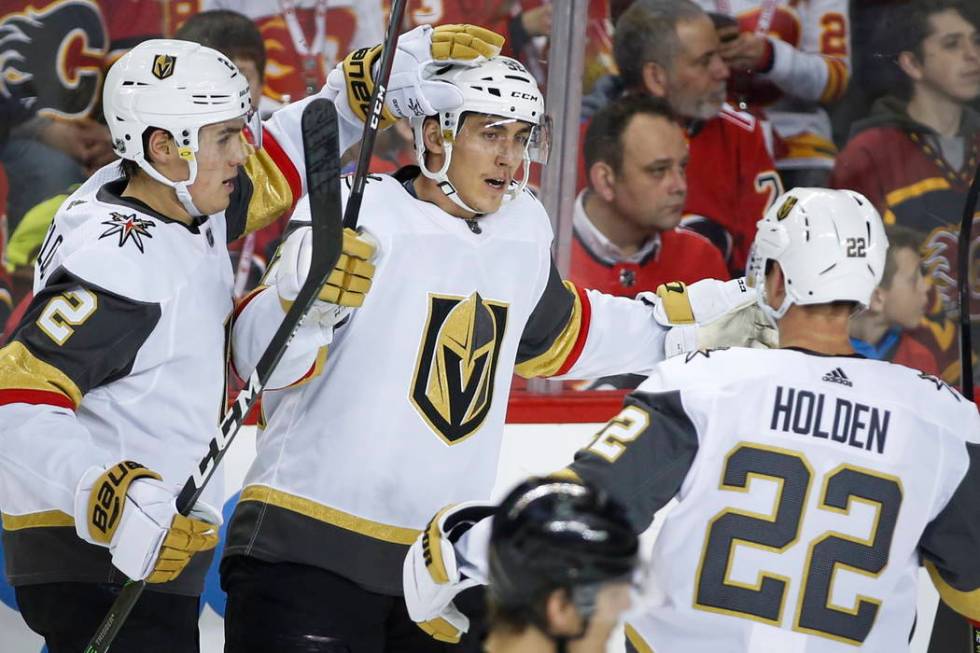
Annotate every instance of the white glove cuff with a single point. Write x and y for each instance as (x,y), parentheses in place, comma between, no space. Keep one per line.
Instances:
(681,340)
(137,542)
(82,492)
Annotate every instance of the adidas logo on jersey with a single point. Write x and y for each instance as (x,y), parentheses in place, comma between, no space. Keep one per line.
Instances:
(837,375)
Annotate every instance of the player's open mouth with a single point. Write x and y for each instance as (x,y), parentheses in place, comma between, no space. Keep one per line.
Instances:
(496,183)
(229,184)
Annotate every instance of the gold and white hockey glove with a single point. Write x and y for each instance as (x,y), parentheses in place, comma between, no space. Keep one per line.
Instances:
(129,510)
(431,576)
(409,93)
(709,314)
(346,286)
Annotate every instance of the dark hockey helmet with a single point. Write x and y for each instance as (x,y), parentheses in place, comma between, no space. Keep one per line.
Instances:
(555,533)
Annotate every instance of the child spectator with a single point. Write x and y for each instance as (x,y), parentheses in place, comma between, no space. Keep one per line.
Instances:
(898,304)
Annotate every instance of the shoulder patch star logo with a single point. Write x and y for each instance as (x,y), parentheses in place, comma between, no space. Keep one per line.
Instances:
(940,384)
(127,227)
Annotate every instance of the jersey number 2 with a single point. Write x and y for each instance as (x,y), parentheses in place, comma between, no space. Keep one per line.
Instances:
(780,530)
(65,311)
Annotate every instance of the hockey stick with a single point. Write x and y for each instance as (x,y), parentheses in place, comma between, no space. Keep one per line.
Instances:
(321,148)
(353,208)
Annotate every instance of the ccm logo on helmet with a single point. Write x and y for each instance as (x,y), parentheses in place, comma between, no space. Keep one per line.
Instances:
(524,96)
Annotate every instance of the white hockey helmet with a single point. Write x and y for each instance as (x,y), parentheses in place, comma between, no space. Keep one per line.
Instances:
(830,244)
(500,86)
(177,86)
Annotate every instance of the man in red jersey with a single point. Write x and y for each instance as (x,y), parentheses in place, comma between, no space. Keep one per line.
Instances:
(670,49)
(627,238)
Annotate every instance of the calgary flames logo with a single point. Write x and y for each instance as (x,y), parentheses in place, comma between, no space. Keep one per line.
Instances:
(940,258)
(457,363)
(54,56)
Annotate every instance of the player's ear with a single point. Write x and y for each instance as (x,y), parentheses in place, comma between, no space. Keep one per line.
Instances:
(910,65)
(655,79)
(563,618)
(160,147)
(775,285)
(432,136)
(602,179)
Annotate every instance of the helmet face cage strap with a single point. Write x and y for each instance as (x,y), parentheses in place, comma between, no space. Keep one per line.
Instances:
(180,187)
(536,149)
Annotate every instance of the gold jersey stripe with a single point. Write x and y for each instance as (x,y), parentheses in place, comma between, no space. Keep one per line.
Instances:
(328,515)
(44,519)
(271,194)
(966,603)
(21,370)
(550,361)
(896,197)
(635,639)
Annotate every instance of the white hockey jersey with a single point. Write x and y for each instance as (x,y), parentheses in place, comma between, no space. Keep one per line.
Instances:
(408,412)
(810,40)
(122,354)
(810,489)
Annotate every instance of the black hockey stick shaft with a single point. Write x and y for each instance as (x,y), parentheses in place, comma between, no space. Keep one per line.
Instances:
(353,208)
(321,149)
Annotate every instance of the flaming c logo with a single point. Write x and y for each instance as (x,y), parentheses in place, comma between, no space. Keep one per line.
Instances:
(54,55)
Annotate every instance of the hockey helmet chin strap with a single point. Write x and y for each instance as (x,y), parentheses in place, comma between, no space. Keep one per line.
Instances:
(441,176)
(180,187)
(253,138)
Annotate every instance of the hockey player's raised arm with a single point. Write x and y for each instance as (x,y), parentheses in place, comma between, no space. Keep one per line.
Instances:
(74,338)
(259,313)
(950,543)
(350,85)
(581,334)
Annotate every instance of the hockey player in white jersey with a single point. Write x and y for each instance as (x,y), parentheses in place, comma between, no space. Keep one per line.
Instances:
(405,410)
(811,482)
(121,355)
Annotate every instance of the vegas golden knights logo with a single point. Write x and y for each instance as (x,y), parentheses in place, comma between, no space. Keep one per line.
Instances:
(163,66)
(453,385)
(786,208)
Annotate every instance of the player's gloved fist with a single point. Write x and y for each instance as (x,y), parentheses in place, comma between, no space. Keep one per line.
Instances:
(129,510)
(703,315)
(431,576)
(409,93)
(347,284)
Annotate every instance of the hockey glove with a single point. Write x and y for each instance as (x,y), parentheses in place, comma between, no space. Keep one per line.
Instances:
(431,575)
(129,510)
(408,93)
(346,286)
(709,314)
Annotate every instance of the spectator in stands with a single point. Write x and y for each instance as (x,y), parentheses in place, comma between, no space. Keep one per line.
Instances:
(237,37)
(789,59)
(53,58)
(916,155)
(897,305)
(670,49)
(625,225)
(308,37)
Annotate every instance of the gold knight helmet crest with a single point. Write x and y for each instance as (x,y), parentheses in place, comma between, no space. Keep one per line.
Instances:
(786,207)
(163,66)
(454,376)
